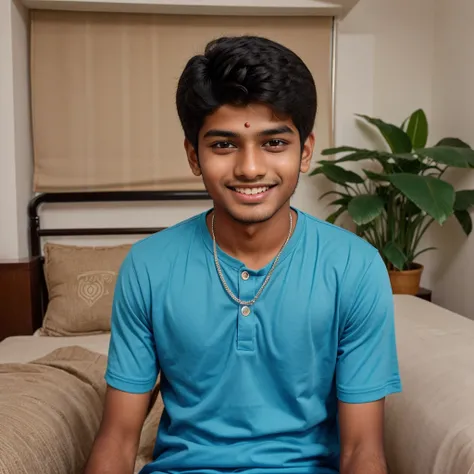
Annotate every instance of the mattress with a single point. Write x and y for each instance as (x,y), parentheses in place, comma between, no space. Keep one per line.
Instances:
(28,348)
(430,425)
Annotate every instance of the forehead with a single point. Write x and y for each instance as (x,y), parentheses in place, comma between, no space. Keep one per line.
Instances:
(231,117)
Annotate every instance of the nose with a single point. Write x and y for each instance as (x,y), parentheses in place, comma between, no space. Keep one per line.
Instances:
(251,164)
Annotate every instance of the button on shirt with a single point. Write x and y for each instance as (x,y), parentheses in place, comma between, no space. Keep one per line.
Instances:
(253,389)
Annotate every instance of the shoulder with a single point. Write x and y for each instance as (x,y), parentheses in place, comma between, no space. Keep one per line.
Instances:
(342,253)
(174,235)
(163,245)
(353,265)
(338,243)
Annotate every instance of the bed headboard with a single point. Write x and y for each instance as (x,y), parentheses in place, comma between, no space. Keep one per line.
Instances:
(36,231)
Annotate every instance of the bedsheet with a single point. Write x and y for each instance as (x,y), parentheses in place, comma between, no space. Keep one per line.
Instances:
(28,348)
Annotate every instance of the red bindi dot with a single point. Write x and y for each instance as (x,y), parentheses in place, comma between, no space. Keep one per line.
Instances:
(247,125)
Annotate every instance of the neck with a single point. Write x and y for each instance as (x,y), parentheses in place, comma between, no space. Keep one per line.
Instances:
(253,244)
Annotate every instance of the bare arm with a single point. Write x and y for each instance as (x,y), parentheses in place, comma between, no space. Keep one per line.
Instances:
(116,445)
(361,427)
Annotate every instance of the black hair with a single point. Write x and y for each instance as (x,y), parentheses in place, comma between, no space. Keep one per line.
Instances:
(242,70)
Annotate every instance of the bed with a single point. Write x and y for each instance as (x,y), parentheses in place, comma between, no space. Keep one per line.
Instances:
(21,349)
(25,348)
(49,418)
(430,424)
(52,381)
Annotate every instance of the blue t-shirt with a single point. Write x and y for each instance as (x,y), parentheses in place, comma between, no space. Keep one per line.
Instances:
(253,394)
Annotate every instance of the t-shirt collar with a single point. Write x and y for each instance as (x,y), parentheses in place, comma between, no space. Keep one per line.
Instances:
(227,259)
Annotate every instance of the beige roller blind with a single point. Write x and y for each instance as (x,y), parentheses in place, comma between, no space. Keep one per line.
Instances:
(103,93)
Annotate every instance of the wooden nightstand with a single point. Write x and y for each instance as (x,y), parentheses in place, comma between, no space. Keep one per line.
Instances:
(19,296)
(424,294)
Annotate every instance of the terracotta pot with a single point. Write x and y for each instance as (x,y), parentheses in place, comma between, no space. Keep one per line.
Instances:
(406,282)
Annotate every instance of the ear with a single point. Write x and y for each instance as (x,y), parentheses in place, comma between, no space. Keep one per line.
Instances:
(192,158)
(307,153)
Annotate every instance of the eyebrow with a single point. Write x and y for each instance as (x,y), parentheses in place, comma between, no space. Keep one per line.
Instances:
(220,133)
(264,133)
(277,131)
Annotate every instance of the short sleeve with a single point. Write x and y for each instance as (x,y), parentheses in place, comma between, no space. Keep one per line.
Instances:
(367,366)
(132,362)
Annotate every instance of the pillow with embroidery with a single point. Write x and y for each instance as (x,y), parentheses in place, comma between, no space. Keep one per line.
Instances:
(81,283)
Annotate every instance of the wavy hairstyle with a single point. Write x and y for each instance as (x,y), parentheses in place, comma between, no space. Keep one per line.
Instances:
(242,70)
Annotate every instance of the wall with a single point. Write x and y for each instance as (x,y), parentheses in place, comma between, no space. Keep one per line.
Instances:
(403,33)
(452,268)
(15,133)
(23,141)
(8,215)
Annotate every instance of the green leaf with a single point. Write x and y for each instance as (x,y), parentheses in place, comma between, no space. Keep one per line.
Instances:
(375,176)
(340,175)
(464,200)
(432,195)
(403,156)
(340,202)
(451,156)
(456,142)
(316,171)
(356,156)
(365,208)
(411,209)
(423,251)
(465,220)
(397,139)
(417,129)
(395,255)
(334,192)
(340,149)
(404,124)
(414,166)
(380,157)
(333,217)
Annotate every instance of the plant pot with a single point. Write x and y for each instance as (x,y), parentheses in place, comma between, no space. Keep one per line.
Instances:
(406,282)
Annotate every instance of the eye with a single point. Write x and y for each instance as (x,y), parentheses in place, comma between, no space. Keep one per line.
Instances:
(222,145)
(276,143)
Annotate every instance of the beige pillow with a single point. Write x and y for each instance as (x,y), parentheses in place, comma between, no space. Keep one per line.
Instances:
(81,283)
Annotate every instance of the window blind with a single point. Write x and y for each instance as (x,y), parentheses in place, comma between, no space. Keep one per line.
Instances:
(103,93)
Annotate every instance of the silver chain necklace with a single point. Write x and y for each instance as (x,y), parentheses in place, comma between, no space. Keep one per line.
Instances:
(267,279)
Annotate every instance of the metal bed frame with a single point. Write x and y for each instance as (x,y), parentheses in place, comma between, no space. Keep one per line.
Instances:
(36,231)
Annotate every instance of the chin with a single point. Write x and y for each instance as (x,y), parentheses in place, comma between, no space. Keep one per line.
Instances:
(252,215)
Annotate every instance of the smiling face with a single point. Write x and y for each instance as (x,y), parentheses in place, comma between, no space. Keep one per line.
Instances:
(250,161)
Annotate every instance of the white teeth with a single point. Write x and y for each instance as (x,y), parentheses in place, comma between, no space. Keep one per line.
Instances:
(252,190)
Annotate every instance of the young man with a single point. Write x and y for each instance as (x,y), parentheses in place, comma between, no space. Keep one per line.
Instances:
(273,331)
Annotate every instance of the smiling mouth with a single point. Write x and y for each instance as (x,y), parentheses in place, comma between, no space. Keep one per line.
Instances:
(252,191)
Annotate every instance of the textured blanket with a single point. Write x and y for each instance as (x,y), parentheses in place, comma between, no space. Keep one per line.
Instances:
(50,411)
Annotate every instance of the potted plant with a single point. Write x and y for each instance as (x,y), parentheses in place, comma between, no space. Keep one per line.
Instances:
(399,192)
